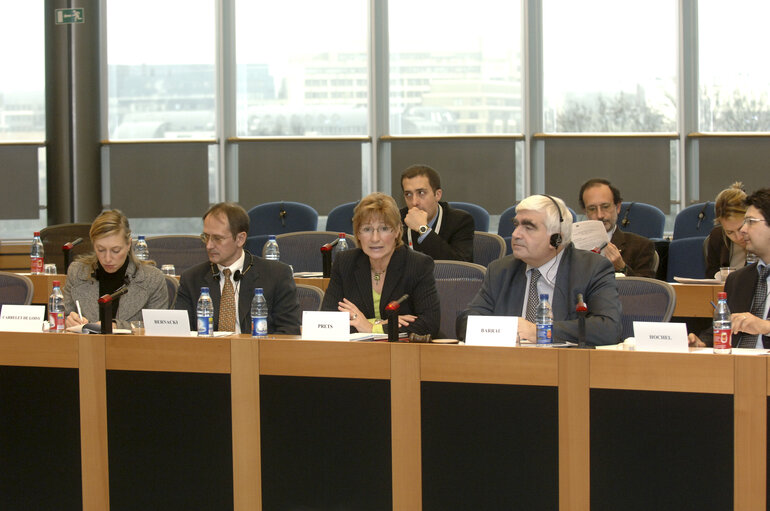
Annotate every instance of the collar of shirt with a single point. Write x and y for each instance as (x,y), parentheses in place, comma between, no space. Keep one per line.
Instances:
(611,232)
(549,269)
(236,266)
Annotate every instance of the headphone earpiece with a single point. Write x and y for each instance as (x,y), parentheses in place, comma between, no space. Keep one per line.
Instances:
(556,238)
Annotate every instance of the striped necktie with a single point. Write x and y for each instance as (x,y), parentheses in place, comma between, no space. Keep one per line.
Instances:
(533,298)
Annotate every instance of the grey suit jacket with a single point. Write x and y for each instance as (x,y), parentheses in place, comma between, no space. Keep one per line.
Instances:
(146,290)
(580,271)
(275,278)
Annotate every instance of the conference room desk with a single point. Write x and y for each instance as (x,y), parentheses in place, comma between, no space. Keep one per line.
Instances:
(131,422)
(692,300)
(44,283)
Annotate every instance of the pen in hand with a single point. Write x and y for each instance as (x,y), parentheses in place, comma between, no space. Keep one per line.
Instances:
(80,312)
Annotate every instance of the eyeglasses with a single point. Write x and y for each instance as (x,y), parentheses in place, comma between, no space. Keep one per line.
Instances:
(368,230)
(750,220)
(606,207)
(213,237)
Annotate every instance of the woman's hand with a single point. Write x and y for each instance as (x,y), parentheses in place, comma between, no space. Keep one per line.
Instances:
(695,342)
(406,319)
(357,319)
(74,320)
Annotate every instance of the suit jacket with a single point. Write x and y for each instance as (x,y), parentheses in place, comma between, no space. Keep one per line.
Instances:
(146,290)
(638,253)
(275,278)
(454,240)
(408,272)
(740,286)
(580,271)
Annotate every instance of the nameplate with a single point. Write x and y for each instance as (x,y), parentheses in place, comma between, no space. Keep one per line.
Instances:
(164,322)
(492,331)
(325,325)
(652,336)
(22,318)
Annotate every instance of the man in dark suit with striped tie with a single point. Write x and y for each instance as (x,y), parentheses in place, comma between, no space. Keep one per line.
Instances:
(747,288)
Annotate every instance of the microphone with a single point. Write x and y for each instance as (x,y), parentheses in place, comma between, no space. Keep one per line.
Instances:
(625,220)
(282,215)
(702,214)
(581,309)
(72,244)
(105,308)
(391,311)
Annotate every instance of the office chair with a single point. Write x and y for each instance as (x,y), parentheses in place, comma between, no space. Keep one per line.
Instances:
(487,246)
(479,214)
(695,221)
(310,297)
(281,217)
(15,289)
(183,251)
(457,282)
(685,259)
(340,218)
(55,236)
(642,219)
(302,250)
(644,299)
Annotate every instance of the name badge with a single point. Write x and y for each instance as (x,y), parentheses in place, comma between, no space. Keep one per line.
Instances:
(492,331)
(22,318)
(173,323)
(325,325)
(652,336)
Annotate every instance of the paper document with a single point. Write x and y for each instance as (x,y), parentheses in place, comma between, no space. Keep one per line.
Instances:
(589,235)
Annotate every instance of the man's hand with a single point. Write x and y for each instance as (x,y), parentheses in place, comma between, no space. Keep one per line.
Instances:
(612,253)
(749,323)
(416,217)
(527,330)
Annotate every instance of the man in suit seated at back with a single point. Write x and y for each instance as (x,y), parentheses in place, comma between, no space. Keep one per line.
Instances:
(629,253)
(544,260)
(432,227)
(234,272)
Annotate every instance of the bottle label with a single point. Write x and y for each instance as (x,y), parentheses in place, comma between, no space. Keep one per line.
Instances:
(258,327)
(36,265)
(205,326)
(544,333)
(56,322)
(722,338)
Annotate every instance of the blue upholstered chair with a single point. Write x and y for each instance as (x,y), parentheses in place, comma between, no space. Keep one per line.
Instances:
(695,221)
(685,258)
(282,217)
(642,219)
(644,300)
(479,214)
(340,218)
(487,246)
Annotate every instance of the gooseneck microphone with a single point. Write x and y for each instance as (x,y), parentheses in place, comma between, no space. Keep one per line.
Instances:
(66,250)
(326,257)
(581,309)
(391,311)
(105,308)
(625,220)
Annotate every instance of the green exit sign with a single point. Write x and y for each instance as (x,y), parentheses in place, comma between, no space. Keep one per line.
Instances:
(69,16)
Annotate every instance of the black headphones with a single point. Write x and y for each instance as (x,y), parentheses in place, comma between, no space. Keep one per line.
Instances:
(556,237)
(238,275)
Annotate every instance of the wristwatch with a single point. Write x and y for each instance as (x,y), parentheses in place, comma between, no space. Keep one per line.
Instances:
(423,229)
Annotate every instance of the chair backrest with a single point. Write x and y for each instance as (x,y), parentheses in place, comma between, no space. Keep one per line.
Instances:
(55,236)
(457,282)
(340,218)
(310,297)
(685,259)
(644,299)
(479,214)
(695,221)
(172,285)
(282,217)
(15,289)
(487,246)
(181,251)
(642,219)
(302,250)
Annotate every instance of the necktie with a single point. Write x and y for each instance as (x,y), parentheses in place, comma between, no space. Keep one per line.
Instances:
(227,305)
(533,298)
(757,306)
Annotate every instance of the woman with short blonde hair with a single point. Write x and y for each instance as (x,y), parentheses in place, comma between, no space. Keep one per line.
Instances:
(725,246)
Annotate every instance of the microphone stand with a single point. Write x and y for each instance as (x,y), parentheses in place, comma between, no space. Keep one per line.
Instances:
(391,314)
(67,250)
(582,310)
(105,308)
(326,255)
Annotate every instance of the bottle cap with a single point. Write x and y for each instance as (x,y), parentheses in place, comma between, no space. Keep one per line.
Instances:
(258,291)
(342,235)
(544,296)
(37,233)
(721,295)
(56,283)
(204,290)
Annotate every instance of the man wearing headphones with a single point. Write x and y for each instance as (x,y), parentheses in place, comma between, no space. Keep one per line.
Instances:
(545,261)
(629,253)
(232,274)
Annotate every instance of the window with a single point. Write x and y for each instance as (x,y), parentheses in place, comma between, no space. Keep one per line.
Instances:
(442,52)
(734,80)
(609,66)
(299,58)
(161,77)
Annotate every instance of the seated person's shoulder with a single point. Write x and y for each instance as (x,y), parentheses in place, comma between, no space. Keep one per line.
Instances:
(636,238)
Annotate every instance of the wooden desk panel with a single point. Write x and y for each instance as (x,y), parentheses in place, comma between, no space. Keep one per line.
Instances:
(692,300)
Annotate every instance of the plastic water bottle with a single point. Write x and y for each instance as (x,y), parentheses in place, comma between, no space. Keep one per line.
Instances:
(271,250)
(141,251)
(544,321)
(751,258)
(205,311)
(723,326)
(56,309)
(258,314)
(342,244)
(36,254)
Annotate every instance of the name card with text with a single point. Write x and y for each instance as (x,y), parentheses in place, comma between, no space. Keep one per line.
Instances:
(173,323)
(492,331)
(325,325)
(652,336)
(22,318)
